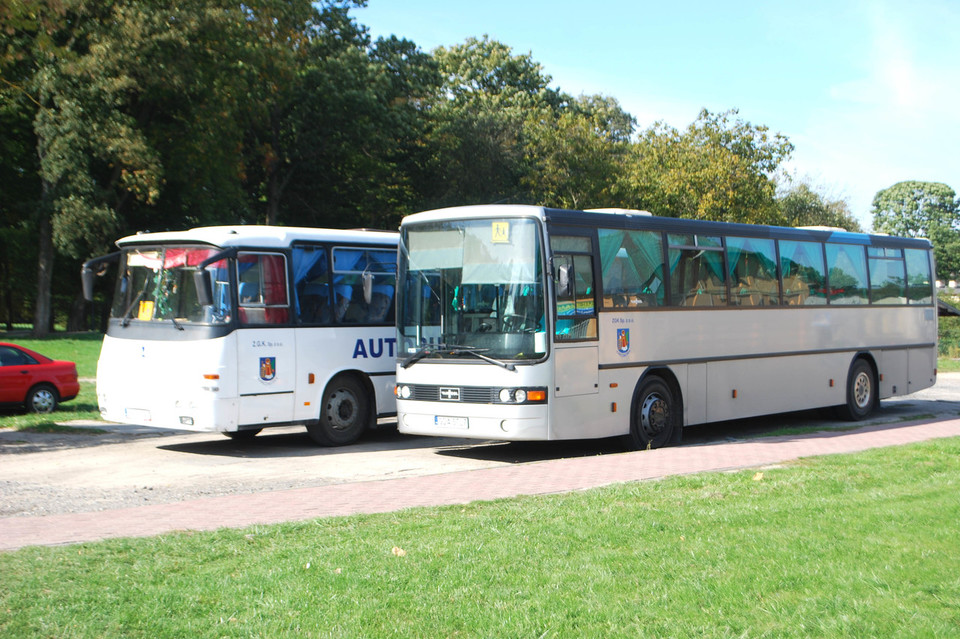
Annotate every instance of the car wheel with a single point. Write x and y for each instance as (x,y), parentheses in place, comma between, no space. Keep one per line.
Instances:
(42,399)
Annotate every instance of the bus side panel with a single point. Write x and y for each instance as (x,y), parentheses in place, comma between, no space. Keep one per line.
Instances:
(922,364)
(575,396)
(266,361)
(747,388)
(325,353)
(694,394)
(893,373)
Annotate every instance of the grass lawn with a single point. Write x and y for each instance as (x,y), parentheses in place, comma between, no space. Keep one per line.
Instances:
(857,545)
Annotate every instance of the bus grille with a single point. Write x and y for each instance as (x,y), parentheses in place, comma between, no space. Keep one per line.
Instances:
(466,394)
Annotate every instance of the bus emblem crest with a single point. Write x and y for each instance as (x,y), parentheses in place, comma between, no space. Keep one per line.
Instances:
(623,340)
(268,368)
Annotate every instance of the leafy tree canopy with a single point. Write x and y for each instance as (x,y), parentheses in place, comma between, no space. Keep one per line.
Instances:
(923,209)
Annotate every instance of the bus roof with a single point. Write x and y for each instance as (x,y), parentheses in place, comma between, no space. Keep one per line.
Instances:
(259,236)
(624,219)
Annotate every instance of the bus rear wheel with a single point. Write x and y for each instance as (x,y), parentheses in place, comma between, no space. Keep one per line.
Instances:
(344,413)
(861,391)
(655,417)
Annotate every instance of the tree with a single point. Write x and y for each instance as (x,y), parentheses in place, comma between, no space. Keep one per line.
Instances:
(923,209)
(488,94)
(721,168)
(802,205)
(574,158)
(131,102)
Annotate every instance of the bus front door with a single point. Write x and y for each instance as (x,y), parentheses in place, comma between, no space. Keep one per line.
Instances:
(267,376)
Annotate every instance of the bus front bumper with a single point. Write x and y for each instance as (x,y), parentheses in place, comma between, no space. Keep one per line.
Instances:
(505,423)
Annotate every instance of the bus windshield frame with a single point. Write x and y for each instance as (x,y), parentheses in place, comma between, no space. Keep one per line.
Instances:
(156,285)
(473,286)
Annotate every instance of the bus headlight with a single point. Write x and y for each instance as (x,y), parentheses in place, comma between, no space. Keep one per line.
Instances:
(522,396)
(402,391)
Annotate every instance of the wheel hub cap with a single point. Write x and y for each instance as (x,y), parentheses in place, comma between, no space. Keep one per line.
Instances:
(343,409)
(861,390)
(654,414)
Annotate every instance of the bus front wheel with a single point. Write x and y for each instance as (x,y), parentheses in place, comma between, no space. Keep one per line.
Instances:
(655,417)
(343,414)
(861,391)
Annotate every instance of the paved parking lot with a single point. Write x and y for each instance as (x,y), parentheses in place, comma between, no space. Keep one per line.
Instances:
(62,489)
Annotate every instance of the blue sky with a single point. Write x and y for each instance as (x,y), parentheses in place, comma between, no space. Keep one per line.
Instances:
(868,92)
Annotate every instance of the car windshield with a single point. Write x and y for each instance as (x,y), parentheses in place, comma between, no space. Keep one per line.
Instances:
(156,285)
(474,286)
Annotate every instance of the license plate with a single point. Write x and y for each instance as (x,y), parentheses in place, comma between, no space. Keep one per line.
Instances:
(450,422)
(137,415)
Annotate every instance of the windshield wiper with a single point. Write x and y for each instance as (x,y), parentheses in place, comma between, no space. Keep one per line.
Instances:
(126,314)
(176,323)
(422,352)
(453,349)
(478,353)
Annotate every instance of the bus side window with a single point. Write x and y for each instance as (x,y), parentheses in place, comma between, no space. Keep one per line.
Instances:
(632,264)
(752,264)
(919,282)
(364,284)
(263,288)
(576,313)
(311,285)
(847,273)
(803,275)
(696,271)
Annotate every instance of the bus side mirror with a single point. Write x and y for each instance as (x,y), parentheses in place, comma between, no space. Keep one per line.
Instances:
(92,268)
(563,280)
(201,280)
(86,277)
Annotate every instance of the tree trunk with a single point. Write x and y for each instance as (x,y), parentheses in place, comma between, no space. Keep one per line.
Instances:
(77,320)
(43,312)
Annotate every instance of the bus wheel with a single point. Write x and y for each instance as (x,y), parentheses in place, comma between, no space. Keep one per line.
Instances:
(861,391)
(343,414)
(655,416)
(243,435)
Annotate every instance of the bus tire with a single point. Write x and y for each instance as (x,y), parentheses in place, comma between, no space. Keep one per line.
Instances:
(656,416)
(344,413)
(861,391)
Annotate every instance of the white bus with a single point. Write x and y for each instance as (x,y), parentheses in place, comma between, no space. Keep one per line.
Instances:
(529,323)
(237,328)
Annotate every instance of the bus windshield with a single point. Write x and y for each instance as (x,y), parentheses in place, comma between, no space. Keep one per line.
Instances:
(472,286)
(156,285)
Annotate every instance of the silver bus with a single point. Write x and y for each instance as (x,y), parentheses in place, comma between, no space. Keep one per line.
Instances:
(531,323)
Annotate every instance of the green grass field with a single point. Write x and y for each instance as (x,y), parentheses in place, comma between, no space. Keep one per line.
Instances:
(857,545)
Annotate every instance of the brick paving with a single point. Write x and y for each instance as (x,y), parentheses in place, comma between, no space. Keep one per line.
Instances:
(535,478)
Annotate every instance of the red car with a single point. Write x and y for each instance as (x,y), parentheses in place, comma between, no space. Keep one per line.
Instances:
(36,382)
